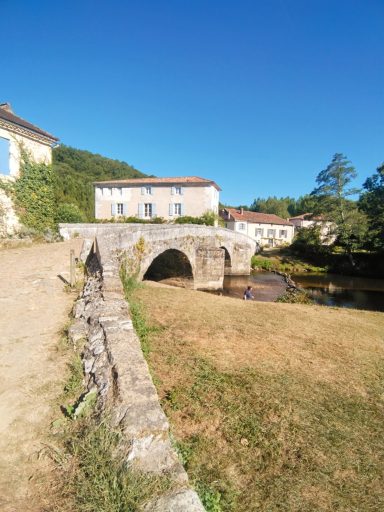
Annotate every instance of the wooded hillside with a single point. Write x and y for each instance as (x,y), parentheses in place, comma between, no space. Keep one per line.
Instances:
(76,170)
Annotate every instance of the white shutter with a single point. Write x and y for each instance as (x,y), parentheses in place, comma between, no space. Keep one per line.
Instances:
(113,209)
(125,209)
(181,191)
(154,211)
(182,209)
(172,191)
(142,191)
(170,209)
(141,210)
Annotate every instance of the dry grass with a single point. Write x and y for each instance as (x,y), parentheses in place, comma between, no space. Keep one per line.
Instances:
(275,407)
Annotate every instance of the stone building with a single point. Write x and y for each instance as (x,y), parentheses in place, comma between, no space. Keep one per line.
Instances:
(147,198)
(267,229)
(15,133)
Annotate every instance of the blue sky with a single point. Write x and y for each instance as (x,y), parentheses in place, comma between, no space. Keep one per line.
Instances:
(256,95)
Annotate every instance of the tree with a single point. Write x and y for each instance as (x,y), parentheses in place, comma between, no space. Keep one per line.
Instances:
(283,207)
(332,193)
(372,203)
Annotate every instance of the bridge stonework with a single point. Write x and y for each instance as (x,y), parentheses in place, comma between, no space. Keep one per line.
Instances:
(139,244)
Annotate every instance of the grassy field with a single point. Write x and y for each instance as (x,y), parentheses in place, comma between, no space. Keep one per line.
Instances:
(273,407)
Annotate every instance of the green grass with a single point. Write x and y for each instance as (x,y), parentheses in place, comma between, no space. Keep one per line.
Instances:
(94,474)
(271,417)
(282,261)
(283,458)
(91,473)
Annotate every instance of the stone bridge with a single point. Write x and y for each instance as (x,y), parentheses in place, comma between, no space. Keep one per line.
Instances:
(157,251)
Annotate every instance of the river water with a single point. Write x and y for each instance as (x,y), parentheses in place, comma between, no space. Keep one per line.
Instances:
(326,289)
(343,291)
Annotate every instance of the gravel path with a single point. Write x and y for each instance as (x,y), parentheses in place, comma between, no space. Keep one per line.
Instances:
(34,308)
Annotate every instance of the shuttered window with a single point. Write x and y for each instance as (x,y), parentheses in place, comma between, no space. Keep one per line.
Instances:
(4,156)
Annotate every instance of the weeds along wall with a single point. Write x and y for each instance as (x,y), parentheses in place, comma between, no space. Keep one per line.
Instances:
(116,371)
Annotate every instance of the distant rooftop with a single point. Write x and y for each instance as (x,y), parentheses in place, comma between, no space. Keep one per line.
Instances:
(6,114)
(177,180)
(255,217)
(308,216)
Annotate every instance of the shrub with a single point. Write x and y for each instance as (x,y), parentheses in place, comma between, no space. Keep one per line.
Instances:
(69,212)
(208,218)
(34,195)
(295,297)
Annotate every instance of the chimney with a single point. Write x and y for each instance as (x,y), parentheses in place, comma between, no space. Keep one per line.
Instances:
(7,107)
(241,211)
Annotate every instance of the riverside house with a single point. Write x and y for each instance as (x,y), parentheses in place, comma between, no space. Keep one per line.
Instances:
(267,229)
(15,133)
(147,198)
(307,220)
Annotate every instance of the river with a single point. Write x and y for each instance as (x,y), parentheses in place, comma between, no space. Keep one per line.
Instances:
(326,289)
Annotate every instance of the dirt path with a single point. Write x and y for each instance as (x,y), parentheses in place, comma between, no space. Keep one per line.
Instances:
(34,307)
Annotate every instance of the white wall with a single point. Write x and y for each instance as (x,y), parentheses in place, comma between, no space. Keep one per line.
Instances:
(250,230)
(196,200)
(39,151)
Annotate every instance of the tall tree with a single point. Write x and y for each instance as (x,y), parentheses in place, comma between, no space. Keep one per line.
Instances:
(372,203)
(283,207)
(333,192)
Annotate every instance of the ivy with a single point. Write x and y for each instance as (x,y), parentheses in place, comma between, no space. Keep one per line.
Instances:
(34,195)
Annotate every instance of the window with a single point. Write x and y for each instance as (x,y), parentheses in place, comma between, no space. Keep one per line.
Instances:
(120,208)
(4,156)
(148,210)
(177,209)
(178,191)
(148,190)
(283,233)
(242,226)
(271,233)
(259,232)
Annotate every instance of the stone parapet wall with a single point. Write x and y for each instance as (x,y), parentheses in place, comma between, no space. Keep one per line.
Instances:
(201,244)
(115,369)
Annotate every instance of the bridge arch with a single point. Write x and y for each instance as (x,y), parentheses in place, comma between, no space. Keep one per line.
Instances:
(227,259)
(169,263)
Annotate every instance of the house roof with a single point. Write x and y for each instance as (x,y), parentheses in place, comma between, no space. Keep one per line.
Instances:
(178,180)
(256,217)
(308,216)
(6,114)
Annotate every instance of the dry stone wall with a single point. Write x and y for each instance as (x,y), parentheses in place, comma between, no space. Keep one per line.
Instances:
(115,369)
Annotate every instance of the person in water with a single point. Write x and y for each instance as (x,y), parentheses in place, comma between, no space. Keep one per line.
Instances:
(248,295)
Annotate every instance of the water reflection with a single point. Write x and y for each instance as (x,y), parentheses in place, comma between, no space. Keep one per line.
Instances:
(266,286)
(343,291)
(326,289)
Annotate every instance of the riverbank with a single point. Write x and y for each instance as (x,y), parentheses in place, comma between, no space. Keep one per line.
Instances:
(270,407)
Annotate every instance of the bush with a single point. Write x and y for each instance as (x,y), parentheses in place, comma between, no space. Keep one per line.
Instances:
(208,218)
(69,212)
(295,297)
(34,195)
(264,263)
(308,243)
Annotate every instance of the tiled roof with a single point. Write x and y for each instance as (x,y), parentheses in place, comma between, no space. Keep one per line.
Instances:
(255,217)
(7,115)
(308,216)
(178,180)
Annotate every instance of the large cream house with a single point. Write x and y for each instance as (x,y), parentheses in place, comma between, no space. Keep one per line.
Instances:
(146,198)
(267,229)
(16,133)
